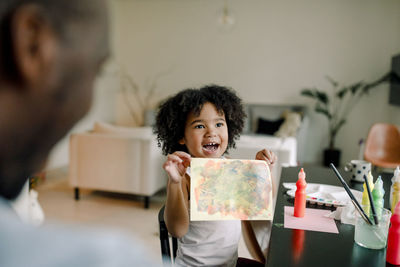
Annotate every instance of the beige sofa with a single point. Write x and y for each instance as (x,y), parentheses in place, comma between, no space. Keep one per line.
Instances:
(116,159)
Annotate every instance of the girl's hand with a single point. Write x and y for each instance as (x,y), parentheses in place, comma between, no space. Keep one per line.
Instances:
(266,155)
(176,165)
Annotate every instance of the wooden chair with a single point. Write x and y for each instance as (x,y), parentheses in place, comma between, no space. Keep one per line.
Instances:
(382,147)
(165,241)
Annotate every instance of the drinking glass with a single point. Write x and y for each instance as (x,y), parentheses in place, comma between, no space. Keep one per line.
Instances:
(372,236)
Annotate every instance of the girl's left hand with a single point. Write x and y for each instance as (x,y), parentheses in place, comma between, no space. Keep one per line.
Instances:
(266,155)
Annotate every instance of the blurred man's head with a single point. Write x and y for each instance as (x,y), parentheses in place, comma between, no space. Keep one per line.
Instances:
(50,53)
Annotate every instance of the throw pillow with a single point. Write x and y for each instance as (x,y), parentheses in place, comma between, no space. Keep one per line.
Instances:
(291,124)
(268,126)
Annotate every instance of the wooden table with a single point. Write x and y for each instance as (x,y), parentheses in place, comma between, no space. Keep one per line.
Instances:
(290,247)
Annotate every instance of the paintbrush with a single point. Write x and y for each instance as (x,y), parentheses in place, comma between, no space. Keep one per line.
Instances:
(352,197)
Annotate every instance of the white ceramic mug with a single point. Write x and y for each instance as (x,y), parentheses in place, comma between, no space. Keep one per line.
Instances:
(358,169)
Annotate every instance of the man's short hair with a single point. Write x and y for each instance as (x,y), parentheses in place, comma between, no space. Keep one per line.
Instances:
(65,16)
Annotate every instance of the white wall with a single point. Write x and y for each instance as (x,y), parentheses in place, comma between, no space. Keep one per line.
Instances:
(274,50)
(103,109)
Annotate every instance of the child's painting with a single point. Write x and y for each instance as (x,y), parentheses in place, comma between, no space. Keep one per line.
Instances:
(224,189)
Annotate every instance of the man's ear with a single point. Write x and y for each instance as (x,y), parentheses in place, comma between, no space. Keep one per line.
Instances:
(34,44)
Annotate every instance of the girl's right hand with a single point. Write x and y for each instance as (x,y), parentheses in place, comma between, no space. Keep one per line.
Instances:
(176,165)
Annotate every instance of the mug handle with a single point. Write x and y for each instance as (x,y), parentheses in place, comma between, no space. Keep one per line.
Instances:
(348,167)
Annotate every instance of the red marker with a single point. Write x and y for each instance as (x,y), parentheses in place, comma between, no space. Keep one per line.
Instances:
(393,245)
(300,196)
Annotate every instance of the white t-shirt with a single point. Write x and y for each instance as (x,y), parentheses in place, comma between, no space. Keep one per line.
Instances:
(209,243)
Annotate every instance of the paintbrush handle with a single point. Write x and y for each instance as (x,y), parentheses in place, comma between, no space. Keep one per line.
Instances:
(365,218)
(353,199)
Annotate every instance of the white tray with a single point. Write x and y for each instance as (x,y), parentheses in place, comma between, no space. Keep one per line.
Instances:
(323,194)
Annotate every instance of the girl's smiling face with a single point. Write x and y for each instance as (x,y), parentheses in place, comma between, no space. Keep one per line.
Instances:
(206,135)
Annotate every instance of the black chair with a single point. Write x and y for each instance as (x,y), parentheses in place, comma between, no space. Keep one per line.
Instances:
(165,240)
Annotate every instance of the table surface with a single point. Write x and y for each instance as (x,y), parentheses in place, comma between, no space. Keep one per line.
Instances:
(292,247)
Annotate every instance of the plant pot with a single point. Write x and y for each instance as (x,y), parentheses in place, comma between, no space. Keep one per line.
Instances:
(331,156)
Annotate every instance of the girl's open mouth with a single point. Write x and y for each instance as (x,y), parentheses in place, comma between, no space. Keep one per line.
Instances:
(211,147)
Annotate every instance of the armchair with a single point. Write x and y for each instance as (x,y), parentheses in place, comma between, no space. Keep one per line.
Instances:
(116,159)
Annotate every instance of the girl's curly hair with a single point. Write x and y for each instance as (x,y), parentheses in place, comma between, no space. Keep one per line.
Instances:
(173,112)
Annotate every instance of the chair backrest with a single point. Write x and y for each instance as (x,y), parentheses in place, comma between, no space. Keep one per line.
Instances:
(165,241)
(382,147)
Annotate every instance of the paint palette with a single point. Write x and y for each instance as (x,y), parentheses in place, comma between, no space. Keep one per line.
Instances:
(323,194)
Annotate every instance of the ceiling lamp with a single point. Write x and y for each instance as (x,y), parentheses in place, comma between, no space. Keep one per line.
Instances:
(225,18)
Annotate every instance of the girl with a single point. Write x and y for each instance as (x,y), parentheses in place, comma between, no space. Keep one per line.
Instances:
(200,123)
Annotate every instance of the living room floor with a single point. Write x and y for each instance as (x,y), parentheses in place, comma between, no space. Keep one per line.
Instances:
(100,209)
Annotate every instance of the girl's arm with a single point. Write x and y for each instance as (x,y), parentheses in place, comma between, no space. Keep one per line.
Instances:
(176,213)
(251,242)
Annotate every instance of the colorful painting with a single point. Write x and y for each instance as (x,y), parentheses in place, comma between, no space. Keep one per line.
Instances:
(224,189)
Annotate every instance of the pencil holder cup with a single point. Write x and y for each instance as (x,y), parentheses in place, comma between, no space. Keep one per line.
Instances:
(358,169)
(372,236)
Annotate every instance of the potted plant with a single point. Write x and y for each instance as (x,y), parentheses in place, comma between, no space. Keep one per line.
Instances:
(337,106)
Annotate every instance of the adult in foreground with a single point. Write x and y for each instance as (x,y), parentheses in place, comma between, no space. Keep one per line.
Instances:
(50,53)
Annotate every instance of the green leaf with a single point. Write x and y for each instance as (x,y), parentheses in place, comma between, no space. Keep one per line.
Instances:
(308,92)
(366,88)
(323,111)
(317,95)
(391,76)
(332,81)
(322,96)
(354,88)
(342,92)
